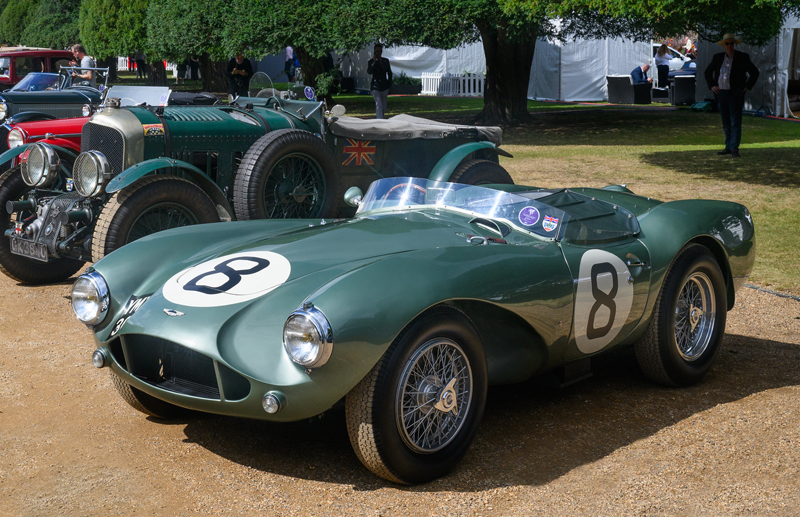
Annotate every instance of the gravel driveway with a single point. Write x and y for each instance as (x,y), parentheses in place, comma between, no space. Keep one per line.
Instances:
(611,445)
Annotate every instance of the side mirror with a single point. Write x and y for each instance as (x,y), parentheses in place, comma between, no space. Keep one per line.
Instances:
(353,195)
(338,110)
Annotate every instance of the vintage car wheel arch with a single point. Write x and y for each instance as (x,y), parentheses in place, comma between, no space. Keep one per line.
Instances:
(13,153)
(448,163)
(20,268)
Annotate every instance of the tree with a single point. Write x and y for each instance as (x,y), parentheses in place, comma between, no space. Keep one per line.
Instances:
(177,29)
(54,25)
(15,17)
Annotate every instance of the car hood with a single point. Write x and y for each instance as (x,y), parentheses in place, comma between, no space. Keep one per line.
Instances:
(58,126)
(50,97)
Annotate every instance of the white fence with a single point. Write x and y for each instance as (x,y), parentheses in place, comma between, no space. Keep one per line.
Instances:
(452,85)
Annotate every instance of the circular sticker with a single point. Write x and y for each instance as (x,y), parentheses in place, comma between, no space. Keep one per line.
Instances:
(529,216)
(163,99)
(309,93)
(234,278)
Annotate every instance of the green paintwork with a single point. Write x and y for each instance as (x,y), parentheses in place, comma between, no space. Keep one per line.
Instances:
(448,163)
(373,274)
(13,153)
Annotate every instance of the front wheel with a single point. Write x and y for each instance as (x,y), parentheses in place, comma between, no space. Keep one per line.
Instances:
(20,268)
(145,403)
(288,173)
(688,321)
(480,172)
(413,417)
(148,206)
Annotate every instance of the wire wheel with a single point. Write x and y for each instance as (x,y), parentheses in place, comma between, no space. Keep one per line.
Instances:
(433,396)
(295,188)
(694,316)
(162,216)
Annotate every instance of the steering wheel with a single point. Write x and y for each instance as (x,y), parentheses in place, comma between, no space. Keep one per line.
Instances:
(403,185)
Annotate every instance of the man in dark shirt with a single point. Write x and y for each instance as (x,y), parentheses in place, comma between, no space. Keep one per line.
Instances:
(730,75)
(381,72)
(239,72)
(639,74)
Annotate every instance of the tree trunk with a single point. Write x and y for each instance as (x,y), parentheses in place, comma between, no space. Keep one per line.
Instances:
(508,70)
(111,63)
(213,74)
(157,74)
(312,67)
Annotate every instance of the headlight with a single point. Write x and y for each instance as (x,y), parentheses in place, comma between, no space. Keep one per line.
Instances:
(90,172)
(90,298)
(3,110)
(15,138)
(307,337)
(87,110)
(39,166)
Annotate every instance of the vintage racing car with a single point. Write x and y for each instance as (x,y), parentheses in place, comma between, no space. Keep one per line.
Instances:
(148,168)
(408,310)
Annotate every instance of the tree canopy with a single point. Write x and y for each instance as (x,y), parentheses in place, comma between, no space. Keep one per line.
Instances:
(54,25)
(15,18)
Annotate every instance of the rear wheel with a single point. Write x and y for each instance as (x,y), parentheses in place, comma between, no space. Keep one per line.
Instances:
(413,417)
(688,322)
(22,269)
(288,173)
(145,403)
(148,206)
(480,172)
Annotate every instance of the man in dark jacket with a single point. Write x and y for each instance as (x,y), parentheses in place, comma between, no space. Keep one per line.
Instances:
(239,72)
(381,73)
(730,75)
(639,74)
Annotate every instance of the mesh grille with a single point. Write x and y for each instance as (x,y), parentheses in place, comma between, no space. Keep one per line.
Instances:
(108,141)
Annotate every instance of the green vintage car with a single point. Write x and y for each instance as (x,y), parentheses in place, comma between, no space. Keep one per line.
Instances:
(410,309)
(151,168)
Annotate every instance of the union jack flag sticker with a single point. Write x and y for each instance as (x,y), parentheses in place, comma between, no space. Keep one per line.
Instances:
(358,151)
(550,223)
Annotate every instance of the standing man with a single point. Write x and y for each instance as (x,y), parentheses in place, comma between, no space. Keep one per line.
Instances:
(381,73)
(639,74)
(730,75)
(85,62)
(288,65)
(239,72)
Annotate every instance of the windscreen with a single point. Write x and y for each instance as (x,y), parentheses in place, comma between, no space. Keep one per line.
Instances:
(37,83)
(136,95)
(520,212)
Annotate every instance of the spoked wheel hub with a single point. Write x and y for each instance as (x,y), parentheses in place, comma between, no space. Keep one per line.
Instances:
(295,188)
(694,316)
(434,394)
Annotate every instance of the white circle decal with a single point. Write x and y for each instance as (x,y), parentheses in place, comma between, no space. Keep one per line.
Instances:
(603,300)
(227,280)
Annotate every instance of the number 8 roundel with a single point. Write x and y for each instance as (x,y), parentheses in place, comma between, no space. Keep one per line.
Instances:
(228,279)
(602,301)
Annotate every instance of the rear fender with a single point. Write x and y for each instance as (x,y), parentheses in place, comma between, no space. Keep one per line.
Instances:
(148,167)
(445,167)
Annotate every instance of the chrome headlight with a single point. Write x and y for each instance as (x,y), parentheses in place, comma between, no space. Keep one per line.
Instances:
(39,167)
(90,298)
(3,110)
(16,137)
(307,337)
(87,110)
(90,173)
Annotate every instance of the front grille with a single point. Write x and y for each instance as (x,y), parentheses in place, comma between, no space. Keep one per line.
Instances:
(108,141)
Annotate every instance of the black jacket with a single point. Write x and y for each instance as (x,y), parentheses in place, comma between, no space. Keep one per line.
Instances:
(381,74)
(239,79)
(743,72)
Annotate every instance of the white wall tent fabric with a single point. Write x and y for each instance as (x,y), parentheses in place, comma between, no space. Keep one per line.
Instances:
(778,62)
(576,70)
(413,61)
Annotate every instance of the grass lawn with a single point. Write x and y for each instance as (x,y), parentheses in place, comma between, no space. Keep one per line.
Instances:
(665,154)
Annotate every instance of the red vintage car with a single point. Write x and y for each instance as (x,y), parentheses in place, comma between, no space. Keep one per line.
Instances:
(17,62)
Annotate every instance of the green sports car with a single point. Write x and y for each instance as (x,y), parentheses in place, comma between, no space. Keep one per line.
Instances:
(410,309)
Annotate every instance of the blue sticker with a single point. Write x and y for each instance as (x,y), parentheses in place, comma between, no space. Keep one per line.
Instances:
(309,93)
(529,216)
(163,100)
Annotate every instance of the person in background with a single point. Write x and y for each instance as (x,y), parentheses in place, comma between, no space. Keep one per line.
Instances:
(288,65)
(141,65)
(639,74)
(239,72)
(381,72)
(181,72)
(663,58)
(730,75)
(85,62)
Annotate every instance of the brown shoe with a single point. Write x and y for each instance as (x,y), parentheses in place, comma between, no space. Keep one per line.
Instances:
(724,152)
(735,154)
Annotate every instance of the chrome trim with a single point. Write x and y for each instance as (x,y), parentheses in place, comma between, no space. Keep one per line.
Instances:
(49,136)
(25,137)
(51,162)
(324,330)
(102,290)
(102,171)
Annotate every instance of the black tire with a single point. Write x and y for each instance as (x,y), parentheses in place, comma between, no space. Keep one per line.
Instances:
(480,172)
(288,173)
(152,204)
(145,403)
(682,340)
(376,423)
(22,269)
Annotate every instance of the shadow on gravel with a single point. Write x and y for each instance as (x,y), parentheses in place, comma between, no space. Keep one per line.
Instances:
(530,435)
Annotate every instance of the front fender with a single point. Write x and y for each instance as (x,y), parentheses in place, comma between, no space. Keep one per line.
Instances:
(132,174)
(28,116)
(13,153)
(447,164)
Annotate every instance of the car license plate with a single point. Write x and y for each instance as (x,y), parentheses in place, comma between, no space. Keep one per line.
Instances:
(28,249)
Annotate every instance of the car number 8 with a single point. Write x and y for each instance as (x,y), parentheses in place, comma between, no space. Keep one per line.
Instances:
(603,300)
